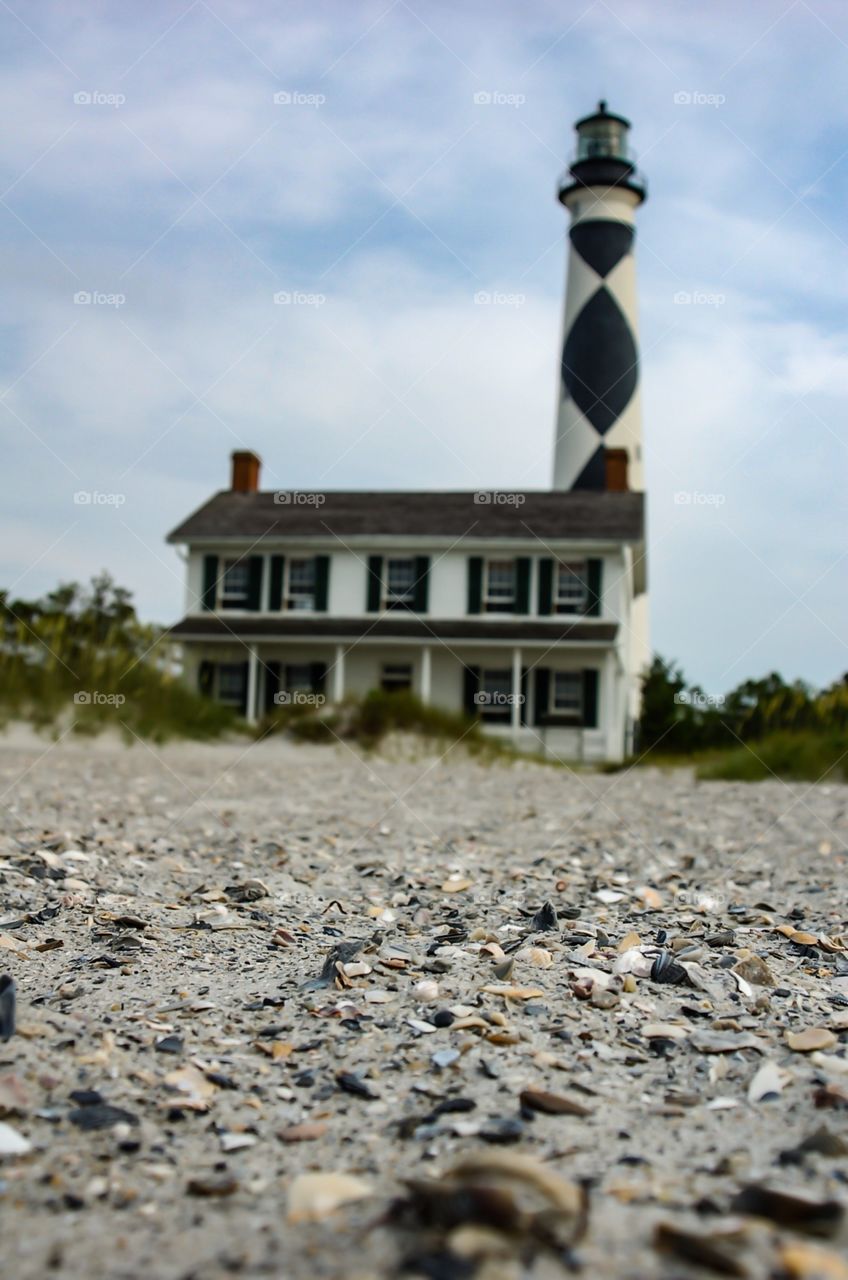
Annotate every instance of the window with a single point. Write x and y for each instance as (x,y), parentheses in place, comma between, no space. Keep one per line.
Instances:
(299,678)
(400,583)
(235,584)
(396,676)
(571,588)
(493,700)
(567,693)
(499,593)
(231,683)
(301,584)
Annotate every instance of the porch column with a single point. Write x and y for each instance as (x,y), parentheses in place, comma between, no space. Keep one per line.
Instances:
(339,674)
(252,683)
(426,674)
(515,709)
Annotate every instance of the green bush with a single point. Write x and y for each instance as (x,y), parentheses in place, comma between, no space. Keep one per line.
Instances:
(805,757)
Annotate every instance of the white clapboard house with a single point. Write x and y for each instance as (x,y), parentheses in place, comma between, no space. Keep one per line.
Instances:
(527,609)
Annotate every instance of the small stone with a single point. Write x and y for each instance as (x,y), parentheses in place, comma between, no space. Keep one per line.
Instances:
(502,1132)
(351,1083)
(211,1187)
(100,1116)
(551,1104)
(545,918)
(754,969)
(308,1131)
(799,1213)
(426,991)
(314,1196)
(809,1040)
(13,1143)
(170,1044)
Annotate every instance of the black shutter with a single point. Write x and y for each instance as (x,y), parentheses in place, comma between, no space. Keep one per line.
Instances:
(422,573)
(210,581)
(593,583)
(272,683)
(254,583)
(543,685)
(590,698)
(206,678)
(322,582)
(546,587)
(522,585)
(475,584)
(471,685)
(275,595)
(244,687)
(317,676)
(375,583)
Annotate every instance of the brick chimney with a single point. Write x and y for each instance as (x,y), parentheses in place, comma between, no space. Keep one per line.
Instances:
(616,470)
(245,471)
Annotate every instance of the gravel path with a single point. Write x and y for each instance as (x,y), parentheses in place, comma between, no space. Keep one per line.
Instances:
(189,1044)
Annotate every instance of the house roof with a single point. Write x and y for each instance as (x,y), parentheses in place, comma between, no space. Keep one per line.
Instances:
(485,628)
(575,514)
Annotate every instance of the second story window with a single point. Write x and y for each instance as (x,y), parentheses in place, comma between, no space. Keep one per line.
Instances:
(400,583)
(571,588)
(300,593)
(499,586)
(235,584)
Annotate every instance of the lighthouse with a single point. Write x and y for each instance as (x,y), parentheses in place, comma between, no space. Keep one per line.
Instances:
(599,422)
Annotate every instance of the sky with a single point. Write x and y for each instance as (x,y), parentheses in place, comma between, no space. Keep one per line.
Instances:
(237,224)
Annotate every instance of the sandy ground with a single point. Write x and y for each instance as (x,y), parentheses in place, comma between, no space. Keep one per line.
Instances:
(155,938)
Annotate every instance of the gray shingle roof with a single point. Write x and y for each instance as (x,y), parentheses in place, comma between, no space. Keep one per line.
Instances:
(578,514)
(485,628)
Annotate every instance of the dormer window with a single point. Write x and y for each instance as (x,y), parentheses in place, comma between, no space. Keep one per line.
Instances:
(571,590)
(499,586)
(300,587)
(235,584)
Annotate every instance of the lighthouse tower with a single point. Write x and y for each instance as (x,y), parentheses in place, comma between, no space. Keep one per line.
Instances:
(599,423)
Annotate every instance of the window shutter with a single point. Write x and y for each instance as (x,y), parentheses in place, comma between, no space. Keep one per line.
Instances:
(593,583)
(375,583)
(475,584)
(206,677)
(272,679)
(254,583)
(522,585)
(590,698)
(322,582)
(422,573)
(210,581)
(546,587)
(317,676)
(543,685)
(275,595)
(471,685)
(244,687)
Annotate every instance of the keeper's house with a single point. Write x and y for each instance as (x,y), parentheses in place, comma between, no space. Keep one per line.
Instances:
(527,609)
(510,606)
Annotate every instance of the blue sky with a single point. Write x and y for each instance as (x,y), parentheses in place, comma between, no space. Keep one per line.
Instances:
(145,159)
